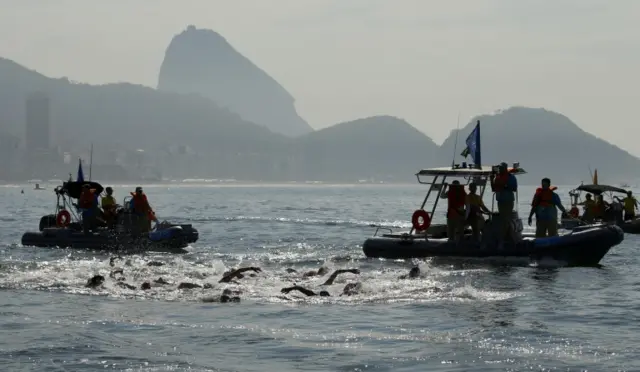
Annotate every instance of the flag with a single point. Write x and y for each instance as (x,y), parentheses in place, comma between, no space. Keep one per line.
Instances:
(595,177)
(80,177)
(473,146)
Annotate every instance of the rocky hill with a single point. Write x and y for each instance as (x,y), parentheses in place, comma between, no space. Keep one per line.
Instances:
(547,144)
(202,61)
(384,148)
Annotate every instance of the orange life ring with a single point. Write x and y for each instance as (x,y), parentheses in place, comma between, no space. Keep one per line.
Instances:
(64,218)
(415,220)
(574,212)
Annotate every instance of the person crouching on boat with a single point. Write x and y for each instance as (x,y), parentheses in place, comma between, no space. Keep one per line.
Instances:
(456,197)
(141,208)
(474,209)
(108,203)
(544,206)
(504,184)
(589,208)
(88,204)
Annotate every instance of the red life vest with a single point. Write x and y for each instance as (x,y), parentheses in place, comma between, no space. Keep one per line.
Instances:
(543,198)
(86,200)
(140,203)
(500,181)
(456,197)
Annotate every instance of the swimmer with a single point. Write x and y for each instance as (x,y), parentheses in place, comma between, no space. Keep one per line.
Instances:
(413,273)
(338,272)
(229,276)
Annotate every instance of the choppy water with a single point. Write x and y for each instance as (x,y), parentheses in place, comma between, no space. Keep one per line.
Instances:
(487,317)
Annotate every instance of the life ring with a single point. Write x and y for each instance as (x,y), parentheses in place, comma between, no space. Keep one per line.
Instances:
(415,220)
(574,212)
(64,218)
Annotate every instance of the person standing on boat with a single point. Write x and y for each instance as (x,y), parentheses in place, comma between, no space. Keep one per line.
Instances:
(474,209)
(88,204)
(109,206)
(544,206)
(630,205)
(504,184)
(141,208)
(456,197)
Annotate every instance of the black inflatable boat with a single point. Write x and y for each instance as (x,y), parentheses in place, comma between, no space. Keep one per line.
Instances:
(584,246)
(64,229)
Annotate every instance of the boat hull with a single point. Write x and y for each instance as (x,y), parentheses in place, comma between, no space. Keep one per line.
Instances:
(579,248)
(170,240)
(629,227)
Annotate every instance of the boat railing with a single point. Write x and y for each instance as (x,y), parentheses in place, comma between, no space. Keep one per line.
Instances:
(382,228)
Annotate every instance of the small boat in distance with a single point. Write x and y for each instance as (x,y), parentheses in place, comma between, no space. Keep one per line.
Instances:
(584,246)
(613,213)
(38,187)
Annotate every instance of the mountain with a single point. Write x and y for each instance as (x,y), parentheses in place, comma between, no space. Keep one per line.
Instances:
(547,144)
(188,136)
(202,61)
(127,117)
(381,147)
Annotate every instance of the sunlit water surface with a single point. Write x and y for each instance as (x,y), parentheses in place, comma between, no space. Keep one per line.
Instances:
(498,316)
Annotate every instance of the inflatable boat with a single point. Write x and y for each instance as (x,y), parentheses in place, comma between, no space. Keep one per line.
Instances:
(582,246)
(64,229)
(612,213)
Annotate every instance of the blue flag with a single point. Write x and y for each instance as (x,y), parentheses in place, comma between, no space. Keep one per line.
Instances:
(473,146)
(80,177)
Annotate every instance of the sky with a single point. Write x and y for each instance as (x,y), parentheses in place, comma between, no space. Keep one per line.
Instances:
(425,61)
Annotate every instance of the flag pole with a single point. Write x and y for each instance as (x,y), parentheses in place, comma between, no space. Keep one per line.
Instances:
(478,149)
(90,161)
(455,145)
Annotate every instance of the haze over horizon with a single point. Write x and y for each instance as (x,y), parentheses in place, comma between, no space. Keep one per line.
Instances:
(424,61)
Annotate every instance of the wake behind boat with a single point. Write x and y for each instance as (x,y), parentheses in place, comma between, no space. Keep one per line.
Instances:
(64,228)
(584,246)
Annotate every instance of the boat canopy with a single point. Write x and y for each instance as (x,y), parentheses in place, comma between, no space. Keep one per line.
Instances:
(73,189)
(484,171)
(600,189)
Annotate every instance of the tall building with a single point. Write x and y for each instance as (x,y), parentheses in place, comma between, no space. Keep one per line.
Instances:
(38,122)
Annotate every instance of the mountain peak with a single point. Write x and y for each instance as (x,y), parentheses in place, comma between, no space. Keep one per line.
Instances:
(202,61)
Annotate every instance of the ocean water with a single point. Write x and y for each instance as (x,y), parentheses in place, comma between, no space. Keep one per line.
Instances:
(458,316)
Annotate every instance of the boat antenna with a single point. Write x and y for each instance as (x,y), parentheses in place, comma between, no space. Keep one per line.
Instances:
(455,145)
(590,173)
(90,161)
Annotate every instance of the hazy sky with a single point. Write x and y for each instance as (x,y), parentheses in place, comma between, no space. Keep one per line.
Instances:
(425,61)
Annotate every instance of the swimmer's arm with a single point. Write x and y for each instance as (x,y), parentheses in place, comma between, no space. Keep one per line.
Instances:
(338,272)
(302,290)
(227,278)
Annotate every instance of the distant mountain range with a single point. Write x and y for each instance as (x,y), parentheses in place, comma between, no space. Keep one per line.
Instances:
(208,134)
(547,144)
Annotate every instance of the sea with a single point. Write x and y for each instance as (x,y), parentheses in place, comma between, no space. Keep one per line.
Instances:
(459,315)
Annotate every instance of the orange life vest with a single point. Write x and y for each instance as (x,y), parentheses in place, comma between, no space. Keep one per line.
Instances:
(86,200)
(456,199)
(543,198)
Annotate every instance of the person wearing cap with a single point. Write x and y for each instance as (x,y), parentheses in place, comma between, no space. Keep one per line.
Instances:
(456,198)
(589,208)
(109,206)
(504,184)
(141,208)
